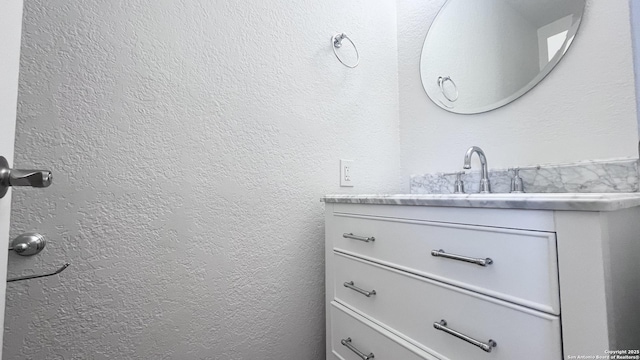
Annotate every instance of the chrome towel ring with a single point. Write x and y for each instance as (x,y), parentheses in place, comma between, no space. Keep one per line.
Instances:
(336,41)
(441,81)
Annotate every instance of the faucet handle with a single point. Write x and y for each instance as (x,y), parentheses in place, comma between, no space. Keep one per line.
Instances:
(459,184)
(517,185)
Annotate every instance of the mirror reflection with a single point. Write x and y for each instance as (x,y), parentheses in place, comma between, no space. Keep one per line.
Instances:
(482,54)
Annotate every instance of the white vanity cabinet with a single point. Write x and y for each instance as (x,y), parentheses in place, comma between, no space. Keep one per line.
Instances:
(443,282)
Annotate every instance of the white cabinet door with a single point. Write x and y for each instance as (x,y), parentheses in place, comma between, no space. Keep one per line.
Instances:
(524,267)
(410,306)
(10,31)
(362,336)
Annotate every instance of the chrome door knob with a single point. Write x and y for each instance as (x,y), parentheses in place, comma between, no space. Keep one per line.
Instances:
(16,177)
(28,244)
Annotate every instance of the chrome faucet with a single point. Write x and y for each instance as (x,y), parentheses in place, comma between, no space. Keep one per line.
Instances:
(485,185)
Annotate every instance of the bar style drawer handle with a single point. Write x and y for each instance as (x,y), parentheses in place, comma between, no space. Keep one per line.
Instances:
(347,342)
(356,237)
(442,325)
(477,261)
(351,286)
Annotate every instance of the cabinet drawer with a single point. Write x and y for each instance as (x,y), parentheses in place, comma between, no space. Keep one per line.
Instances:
(523,267)
(367,338)
(410,305)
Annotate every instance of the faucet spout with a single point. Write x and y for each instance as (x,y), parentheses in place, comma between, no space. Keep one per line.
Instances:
(485,185)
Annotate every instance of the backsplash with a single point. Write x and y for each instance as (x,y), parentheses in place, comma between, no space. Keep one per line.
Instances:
(619,175)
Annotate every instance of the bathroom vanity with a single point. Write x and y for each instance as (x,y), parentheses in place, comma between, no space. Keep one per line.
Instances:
(483,276)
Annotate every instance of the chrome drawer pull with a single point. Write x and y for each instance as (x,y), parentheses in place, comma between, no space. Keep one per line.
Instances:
(356,237)
(477,261)
(351,286)
(347,342)
(442,325)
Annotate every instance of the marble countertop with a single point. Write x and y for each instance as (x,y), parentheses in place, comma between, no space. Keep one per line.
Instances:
(535,201)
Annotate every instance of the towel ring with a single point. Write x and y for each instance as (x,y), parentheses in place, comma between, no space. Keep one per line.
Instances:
(441,81)
(336,41)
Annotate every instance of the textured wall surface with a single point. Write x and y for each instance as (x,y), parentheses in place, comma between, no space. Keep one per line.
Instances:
(584,109)
(190,143)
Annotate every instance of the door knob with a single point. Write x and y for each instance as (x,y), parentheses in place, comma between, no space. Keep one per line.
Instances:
(28,244)
(16,177)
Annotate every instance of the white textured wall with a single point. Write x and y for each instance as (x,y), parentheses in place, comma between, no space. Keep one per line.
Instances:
(584,109)
(190,143)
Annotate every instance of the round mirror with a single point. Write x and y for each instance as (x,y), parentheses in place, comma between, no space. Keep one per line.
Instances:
(482,54)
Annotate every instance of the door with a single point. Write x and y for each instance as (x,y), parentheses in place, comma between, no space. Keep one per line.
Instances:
(10,30)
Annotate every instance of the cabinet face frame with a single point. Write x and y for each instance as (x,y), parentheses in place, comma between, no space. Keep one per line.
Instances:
(599,280)
(599,275)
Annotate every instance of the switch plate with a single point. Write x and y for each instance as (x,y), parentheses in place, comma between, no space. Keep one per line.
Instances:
(346,173)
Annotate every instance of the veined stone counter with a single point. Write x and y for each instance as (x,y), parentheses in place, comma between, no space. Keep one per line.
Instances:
(537,201)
